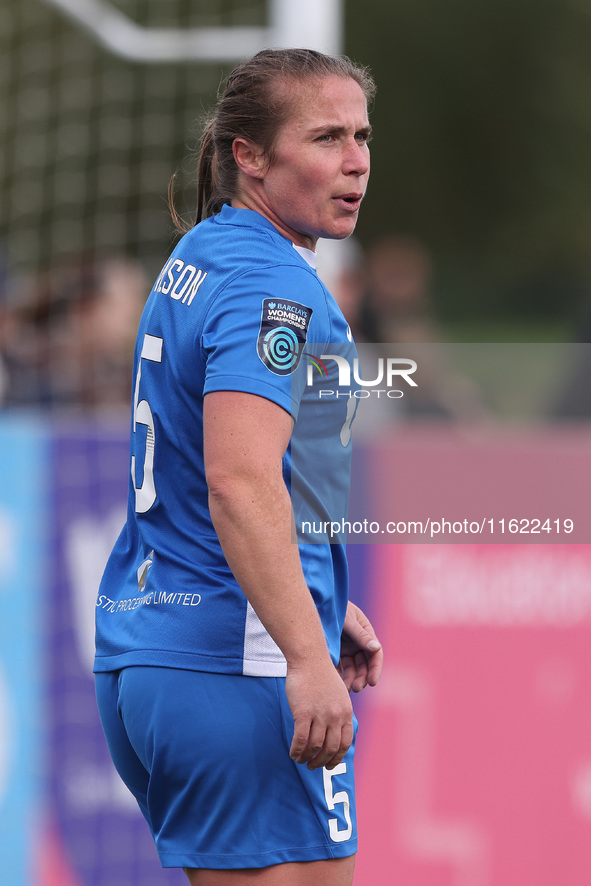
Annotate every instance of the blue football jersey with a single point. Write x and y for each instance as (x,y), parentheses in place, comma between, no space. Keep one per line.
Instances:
(236,307)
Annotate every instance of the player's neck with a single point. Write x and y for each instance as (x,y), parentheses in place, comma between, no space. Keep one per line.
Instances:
(255,202)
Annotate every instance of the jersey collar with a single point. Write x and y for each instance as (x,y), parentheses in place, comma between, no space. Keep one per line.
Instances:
(308,255)
(248,218)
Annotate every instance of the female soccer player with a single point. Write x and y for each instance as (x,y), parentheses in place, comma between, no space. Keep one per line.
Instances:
(226,652)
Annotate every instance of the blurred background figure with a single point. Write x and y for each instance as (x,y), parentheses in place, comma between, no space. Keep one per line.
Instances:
(104,306)
(4,327)
(385,294)
(68,334)
(341,266)
(28,320)
(397,306)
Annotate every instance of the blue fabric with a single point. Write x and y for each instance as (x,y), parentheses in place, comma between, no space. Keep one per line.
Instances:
(221,316)
(207,758)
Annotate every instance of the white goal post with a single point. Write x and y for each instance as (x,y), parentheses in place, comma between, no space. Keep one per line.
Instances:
(315,24)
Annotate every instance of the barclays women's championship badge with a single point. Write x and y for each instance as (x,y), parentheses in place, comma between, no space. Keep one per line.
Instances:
(283,333)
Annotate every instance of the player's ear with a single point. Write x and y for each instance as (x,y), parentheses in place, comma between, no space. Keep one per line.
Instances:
(249,158)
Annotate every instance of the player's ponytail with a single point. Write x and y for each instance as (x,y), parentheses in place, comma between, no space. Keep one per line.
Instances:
(258,98)
(207,174)
(206,183)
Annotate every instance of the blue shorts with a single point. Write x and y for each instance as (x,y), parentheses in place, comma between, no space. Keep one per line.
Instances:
(207,758)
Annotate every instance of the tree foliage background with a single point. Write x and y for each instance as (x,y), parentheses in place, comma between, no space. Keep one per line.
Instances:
(483,146)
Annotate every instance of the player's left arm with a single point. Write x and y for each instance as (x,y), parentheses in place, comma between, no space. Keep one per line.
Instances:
(361,651)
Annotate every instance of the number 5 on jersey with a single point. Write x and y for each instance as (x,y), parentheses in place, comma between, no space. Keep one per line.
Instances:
(145,495)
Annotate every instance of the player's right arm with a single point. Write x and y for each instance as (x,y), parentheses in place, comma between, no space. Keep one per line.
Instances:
(245,438)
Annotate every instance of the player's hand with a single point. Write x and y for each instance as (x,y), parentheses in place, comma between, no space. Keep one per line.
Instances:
(361,651)
(322,713)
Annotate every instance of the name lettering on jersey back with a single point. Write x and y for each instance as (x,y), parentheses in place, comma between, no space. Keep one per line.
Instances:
(179,280)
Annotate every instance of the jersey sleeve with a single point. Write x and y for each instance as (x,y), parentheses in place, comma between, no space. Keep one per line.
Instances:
(256,330)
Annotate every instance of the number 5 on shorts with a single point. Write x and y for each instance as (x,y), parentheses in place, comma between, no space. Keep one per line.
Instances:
(331,801)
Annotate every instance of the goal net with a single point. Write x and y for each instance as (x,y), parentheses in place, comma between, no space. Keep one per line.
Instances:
(100,102)
(89,138)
